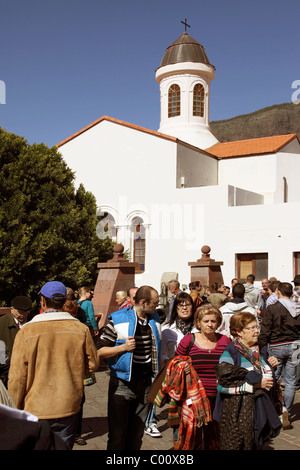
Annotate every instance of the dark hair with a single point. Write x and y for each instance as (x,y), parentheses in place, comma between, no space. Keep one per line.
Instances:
(238,291)
(144,292)
(194,284)
(251,278)
(162,314)
(273,285)
(181,297)
(286,289)
(56,304)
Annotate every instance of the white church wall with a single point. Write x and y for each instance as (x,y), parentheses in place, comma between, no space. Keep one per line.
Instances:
(197,168)
(288,167)
(109,160)
(228,231)
(114,161)
(177,231)
(270,229)
(241,197)
(255,173)
(291,147)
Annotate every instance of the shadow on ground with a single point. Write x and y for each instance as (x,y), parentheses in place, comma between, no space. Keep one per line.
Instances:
(94,427)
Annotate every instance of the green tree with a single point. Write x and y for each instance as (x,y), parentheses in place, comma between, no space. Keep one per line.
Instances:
(47,228)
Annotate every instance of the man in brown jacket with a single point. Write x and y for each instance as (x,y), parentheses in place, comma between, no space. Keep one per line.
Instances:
(51,354)
(12,322)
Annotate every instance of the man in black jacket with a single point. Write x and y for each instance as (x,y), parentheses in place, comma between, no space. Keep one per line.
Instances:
(280,329)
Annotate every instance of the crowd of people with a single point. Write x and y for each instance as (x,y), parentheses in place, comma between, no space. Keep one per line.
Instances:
(224,359)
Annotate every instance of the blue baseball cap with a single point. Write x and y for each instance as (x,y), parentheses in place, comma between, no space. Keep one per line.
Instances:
(54,290)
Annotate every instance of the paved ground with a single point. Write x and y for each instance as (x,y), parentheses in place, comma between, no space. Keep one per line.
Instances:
(94,427)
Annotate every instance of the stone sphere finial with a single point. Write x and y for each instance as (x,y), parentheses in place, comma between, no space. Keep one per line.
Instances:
(205,249)
(118,250)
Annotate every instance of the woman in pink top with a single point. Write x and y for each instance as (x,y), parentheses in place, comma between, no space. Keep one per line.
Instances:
(205,354)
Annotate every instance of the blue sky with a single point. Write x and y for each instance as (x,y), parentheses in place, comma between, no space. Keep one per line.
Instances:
(66,63)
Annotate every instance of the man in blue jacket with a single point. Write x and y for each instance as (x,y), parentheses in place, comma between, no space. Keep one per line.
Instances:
(131,344)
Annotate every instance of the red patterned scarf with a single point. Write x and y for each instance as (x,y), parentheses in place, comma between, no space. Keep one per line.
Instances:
(188,391)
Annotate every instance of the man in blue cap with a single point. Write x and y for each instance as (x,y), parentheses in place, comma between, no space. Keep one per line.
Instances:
(50,357)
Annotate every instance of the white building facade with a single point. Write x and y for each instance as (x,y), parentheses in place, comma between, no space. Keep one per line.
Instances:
(164,194)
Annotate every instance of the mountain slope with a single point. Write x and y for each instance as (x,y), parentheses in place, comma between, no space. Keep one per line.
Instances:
(274,120)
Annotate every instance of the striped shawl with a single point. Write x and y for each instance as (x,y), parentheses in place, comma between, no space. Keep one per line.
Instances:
(185,392)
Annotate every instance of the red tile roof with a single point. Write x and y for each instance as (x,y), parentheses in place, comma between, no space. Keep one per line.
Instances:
(137,128)
(238,148)
(116,121)
(243,148)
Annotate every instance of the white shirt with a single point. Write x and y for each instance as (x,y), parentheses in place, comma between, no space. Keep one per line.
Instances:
(170,338)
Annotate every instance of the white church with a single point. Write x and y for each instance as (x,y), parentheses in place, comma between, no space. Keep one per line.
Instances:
(164,194)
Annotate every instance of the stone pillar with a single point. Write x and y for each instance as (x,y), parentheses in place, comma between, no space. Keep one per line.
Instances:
(206,270)
(114,275)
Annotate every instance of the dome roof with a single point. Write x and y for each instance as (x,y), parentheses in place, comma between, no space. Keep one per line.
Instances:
(185,49)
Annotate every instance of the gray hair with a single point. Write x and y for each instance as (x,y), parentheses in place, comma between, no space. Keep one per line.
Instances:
(3,352)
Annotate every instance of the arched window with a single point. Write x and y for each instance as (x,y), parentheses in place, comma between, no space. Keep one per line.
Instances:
(106,227)
(198,100)
(139,243)
(174,101)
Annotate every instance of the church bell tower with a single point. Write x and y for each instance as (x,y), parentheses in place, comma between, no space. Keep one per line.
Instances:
(184,76)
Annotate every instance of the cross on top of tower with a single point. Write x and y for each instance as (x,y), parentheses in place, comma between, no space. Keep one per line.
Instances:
(185,24)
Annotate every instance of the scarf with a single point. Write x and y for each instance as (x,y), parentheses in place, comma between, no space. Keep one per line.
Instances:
(252,355)
(189,392)
(185,326)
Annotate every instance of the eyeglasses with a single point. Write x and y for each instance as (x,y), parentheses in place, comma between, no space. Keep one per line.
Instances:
(251,328)
(184,304)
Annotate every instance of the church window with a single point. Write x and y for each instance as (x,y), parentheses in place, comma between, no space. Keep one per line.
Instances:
(296,262)
(139,244)
(174,101)
(106,227)
(252,263)
(198,100)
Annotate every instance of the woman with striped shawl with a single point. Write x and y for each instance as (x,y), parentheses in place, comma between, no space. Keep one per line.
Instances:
(246,386)
(205,354)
